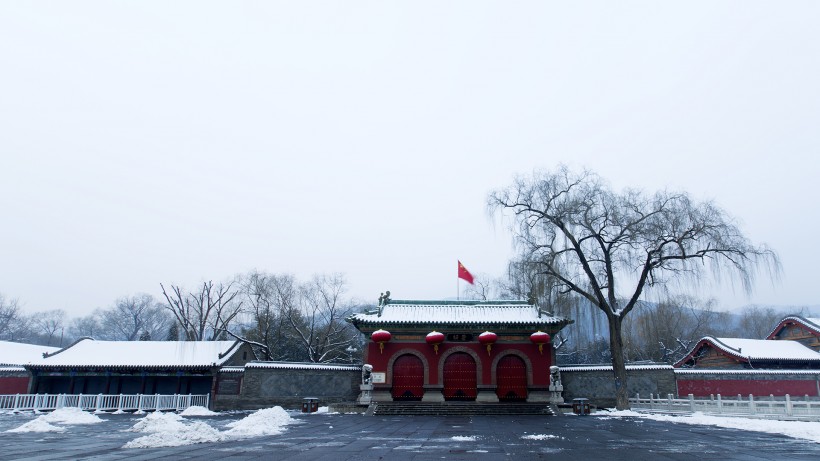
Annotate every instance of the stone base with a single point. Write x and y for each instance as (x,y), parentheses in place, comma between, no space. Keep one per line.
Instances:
(365,394)
(538,396)
(432,394)
(381,396)
(486,396)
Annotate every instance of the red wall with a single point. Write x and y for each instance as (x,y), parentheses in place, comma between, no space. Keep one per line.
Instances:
(540,362)
(13,385)
(756,387)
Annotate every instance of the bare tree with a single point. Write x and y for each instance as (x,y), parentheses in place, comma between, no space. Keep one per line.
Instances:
(87,326)
(131,316)
(609,247)
(14,324)
(757,321)
(320,324)
(271,304)
(49,326)
(206,314)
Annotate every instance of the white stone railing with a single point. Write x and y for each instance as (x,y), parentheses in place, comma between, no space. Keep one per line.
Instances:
(102,402)
(767,408)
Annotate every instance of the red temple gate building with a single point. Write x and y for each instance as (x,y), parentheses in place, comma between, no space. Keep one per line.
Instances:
(434,351)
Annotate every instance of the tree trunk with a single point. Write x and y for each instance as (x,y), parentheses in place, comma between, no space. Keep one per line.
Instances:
(616,346)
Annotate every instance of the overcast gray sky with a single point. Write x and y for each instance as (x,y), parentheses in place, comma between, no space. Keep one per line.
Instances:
(147,142)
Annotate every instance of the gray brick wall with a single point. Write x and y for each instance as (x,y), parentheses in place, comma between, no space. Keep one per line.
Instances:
(599,385)
(266,387)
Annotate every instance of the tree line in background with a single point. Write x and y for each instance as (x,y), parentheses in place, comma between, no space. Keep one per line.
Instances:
(281,317)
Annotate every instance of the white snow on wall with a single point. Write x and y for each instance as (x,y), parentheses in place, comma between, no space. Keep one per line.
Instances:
(301,366)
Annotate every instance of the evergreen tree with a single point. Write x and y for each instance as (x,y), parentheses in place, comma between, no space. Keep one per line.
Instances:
(173,333)
(145,336)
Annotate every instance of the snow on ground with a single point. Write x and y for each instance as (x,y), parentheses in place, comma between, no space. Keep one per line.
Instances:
(539,437)
(70,416)
(268,421)
(37,425)
(171,429)
(65,416)
(196,410)
(463,438)
(796,429)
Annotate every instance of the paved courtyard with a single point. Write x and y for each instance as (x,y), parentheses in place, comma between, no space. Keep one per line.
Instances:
(341,437)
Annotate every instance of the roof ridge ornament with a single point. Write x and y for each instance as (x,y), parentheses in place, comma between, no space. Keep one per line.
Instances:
(384,299)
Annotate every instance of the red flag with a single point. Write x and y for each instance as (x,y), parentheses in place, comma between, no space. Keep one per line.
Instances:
(463,273)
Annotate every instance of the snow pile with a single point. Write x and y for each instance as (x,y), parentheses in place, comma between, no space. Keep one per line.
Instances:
(463,438)
(268,421)
(37,425)
(196,410)
(171,430)
(64,416)
(539,437)
(797,429)
(70,416)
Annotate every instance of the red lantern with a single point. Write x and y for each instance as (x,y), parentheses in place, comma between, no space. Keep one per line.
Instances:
(381,337)
(435,338)
(488,338)
(540,338)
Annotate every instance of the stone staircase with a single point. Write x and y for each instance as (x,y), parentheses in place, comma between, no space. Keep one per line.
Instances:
(459,408)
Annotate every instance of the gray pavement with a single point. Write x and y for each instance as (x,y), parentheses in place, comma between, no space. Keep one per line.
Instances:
(340,437)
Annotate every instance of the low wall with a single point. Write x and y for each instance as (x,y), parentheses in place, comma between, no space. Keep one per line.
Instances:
(14,380)
(267,384)
(760,383)
(597,383)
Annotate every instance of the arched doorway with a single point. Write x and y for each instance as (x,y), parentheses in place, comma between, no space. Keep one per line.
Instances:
(459,377)
(408,378)
(511,379)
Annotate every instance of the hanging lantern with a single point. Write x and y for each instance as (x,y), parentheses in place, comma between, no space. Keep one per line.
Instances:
(488,338)
(540,338)
(435,338)
(381,337)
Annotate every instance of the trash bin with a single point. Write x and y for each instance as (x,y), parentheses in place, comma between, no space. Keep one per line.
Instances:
(310,405)
(580,406)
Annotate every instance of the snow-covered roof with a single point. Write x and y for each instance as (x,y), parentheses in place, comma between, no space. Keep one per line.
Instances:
(457,313)
(12,353)
(757,371)
(609,367)
(812,323)
(12,369)
(302,366)
(762,349)
(232,369)
(87,352)
(756,349)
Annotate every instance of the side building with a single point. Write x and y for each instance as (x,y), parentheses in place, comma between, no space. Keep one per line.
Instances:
(135,367)
(433,351)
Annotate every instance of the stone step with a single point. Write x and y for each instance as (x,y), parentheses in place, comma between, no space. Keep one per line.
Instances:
(460,408)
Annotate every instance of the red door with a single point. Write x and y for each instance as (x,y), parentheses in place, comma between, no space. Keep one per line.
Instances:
(408,378)
(459,377)
(511,379)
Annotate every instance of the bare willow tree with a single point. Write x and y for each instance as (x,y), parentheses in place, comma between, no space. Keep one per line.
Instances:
(204,315)
(608,247)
